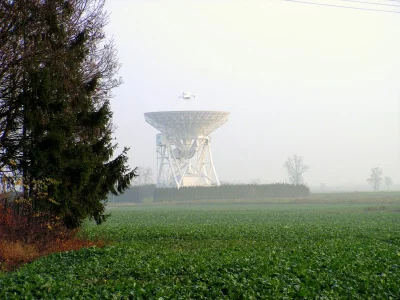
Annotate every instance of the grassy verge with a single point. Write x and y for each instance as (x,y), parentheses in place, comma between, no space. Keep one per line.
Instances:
(14,254)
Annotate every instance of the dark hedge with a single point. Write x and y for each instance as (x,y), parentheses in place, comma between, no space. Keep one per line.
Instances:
(137,194)
(231,192)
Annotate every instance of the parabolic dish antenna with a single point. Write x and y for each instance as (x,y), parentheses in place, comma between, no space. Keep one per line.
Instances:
(186,123)
(184,146)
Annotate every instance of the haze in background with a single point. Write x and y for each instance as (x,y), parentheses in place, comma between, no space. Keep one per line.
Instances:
(319,82)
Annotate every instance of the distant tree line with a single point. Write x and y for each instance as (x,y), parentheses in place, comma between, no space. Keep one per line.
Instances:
(232,192)
(135,194)
(138,194)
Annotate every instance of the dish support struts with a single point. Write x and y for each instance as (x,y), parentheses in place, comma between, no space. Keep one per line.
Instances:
(185,162)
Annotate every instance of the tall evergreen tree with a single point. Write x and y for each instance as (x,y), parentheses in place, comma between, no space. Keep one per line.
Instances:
(58,122)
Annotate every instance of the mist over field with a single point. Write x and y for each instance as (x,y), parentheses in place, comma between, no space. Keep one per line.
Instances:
(295,79)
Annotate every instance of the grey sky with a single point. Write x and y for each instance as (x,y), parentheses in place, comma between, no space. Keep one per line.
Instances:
(319,82)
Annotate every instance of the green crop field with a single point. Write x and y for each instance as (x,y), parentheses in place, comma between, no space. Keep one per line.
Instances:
(232,251)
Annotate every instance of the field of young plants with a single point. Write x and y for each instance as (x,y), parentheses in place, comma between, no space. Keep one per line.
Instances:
(232,251)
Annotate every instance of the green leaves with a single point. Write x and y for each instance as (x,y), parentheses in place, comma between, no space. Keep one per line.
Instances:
(231,251)
(56,120)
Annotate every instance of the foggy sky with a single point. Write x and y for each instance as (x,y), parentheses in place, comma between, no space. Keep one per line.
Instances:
(319,82)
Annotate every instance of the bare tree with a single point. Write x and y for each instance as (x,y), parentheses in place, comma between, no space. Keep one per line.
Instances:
(145,176)
(255,181)
(388,182)
(295,167)
(375,178)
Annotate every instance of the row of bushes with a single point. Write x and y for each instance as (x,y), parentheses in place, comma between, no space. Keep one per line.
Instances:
(139,194)
(26,234)
(135,194)
(231,192)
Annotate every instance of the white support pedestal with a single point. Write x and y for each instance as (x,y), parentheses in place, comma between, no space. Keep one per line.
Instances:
(185,162)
